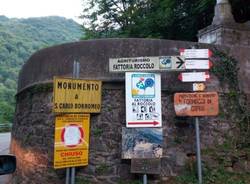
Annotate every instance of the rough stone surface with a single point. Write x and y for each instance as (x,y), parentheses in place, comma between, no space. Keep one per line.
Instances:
(33,128)
(224,30)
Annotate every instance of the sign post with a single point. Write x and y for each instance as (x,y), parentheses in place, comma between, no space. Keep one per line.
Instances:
(196,104)
(76,72)
(198,149)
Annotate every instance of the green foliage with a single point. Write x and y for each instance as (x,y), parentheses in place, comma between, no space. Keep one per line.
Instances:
(130,182)
(213,176)
(102,168)
(82,180)
(19,38)
(226,69)
(147,19)
(97,132)
(169,19)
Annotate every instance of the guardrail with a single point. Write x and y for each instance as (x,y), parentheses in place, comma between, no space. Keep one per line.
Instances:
(5,127)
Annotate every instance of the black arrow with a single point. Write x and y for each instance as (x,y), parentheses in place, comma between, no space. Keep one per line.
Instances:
(180,62)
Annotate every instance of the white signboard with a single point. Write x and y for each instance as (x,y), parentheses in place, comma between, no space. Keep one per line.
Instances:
(156,63)
(194,76)
(195,53)
(198,64)
(143,100)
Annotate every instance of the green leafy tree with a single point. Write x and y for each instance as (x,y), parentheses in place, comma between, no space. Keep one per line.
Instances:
(168,19)
(146,18)
(19,38)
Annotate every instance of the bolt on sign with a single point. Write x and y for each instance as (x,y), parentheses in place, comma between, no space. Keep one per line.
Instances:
(71,140)
(77,96)
(143,100)
(196,104)
(156,63)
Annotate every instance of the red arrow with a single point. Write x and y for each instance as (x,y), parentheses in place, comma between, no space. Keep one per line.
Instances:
(210,64)
(210,53)
(143,123)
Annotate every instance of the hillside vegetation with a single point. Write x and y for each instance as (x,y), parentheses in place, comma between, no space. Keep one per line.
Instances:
(19,39)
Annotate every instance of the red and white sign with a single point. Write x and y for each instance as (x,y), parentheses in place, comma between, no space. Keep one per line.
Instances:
(194,76)
(198,64)
(195,53)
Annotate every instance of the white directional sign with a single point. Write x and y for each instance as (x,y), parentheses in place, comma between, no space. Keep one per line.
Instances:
(198,64)
(156,63)
(143,100)
(194,76)
(195,53)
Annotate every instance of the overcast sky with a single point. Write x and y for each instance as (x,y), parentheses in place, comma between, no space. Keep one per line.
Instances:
(39,8)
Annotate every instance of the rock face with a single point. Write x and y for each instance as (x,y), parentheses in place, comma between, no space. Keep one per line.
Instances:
(224,30)
(33,128)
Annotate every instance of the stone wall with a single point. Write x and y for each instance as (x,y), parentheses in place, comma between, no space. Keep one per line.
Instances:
(33,128)
(226,34)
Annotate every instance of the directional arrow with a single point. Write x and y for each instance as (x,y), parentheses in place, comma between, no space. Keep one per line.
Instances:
(180,62)
(144,123)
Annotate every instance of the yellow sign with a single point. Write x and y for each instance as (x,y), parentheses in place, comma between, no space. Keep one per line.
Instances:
(71,140)
(77,96)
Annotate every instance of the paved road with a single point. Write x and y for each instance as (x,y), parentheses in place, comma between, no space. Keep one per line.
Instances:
(4,143)
(4,149)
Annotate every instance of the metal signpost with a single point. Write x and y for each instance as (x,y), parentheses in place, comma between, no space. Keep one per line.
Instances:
(196,104)
(76,71)
(72,130)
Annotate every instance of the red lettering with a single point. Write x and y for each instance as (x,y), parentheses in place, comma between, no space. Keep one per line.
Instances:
(71,153)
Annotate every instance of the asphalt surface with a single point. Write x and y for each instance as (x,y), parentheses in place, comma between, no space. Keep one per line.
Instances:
(4,143)
(4,149)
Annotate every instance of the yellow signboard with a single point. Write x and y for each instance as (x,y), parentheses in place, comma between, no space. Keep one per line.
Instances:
(77,96)
(71,140)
